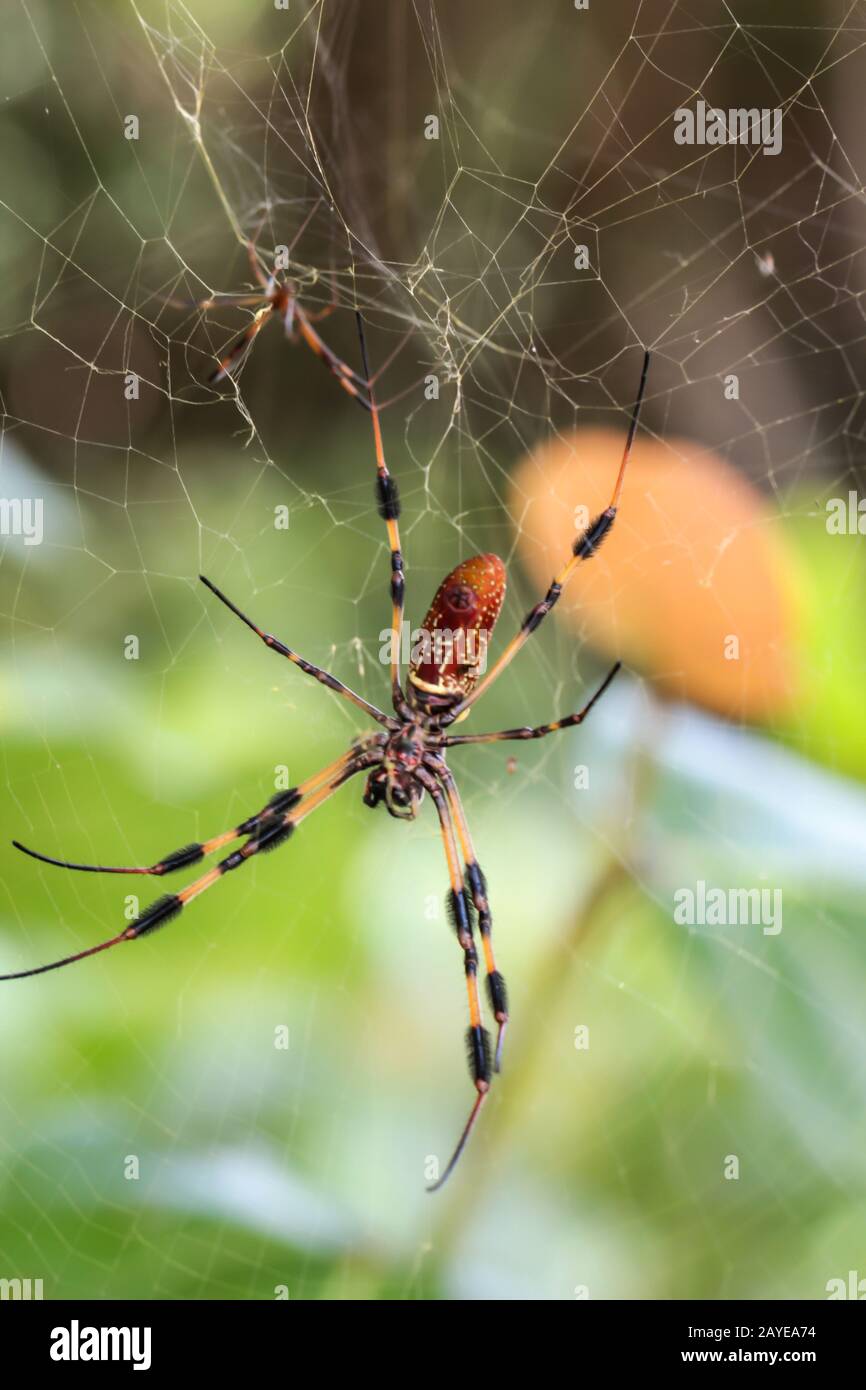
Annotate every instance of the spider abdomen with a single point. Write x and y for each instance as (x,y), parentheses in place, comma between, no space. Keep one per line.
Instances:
(449,653)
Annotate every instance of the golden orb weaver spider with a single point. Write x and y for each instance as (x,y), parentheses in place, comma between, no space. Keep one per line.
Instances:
(278,299)
(407,757)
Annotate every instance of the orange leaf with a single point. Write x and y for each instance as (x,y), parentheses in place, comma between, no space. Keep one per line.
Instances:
(694,586)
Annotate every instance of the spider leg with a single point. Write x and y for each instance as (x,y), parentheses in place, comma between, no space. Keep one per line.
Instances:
(585,546)
(276,645)
(477,1037)
(388,498)
(164,909)
(350,381)
(496,991)
(540,730)
(251,243)
(191,854)
(316,315)
(236,354)
(215,301)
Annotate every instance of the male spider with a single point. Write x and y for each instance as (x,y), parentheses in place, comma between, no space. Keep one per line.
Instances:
(408,756)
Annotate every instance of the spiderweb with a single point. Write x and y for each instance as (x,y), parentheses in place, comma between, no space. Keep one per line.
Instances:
(244,1107)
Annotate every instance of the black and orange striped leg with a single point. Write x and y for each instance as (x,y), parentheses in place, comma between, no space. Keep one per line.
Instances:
(539,730)
(192,854)
(585,546)
(477,1037)
(269,834)
(281,649)
(388,499)
(477,886)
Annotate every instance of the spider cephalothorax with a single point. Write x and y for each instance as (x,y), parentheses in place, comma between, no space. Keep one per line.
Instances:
(447,674)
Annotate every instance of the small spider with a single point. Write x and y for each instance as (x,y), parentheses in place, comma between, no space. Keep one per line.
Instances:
(278,299)
(407,757)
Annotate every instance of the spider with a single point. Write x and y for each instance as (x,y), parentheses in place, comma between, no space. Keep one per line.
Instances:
(278,299)
(406,757)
